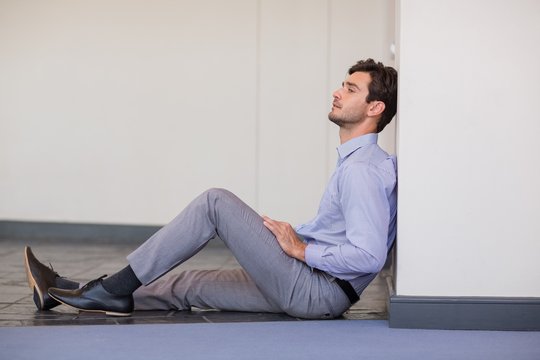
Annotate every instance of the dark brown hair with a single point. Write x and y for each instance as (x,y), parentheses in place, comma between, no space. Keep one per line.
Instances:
(383,87)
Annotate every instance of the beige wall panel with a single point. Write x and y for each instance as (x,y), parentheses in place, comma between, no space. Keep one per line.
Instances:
(293,107)
(123,111)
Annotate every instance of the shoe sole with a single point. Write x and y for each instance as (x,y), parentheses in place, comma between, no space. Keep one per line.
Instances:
(32,282)
(109,313)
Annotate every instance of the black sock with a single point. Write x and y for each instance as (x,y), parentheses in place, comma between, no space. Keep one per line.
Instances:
(124,282)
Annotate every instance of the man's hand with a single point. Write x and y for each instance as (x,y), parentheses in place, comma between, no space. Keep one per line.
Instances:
(287,238)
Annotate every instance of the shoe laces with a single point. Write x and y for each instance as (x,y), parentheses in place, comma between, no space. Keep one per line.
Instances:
(93,282)
(52,269)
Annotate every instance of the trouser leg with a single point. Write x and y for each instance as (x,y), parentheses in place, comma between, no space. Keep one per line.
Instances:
(290,284)
(204,289)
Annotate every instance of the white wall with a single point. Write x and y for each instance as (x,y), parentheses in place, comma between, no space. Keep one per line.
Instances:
(469,173)
(122,111)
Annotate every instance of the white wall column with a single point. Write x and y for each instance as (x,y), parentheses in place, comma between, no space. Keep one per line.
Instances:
(467,146)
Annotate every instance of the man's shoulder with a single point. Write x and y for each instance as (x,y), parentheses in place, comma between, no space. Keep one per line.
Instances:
(371,157)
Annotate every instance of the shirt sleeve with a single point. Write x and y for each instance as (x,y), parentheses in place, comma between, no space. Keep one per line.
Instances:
(365,206)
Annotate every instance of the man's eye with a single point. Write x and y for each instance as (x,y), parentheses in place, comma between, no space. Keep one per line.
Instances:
(350,90)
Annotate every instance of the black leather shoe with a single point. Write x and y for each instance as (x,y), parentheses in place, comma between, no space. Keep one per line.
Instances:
(94,298)
(41,278)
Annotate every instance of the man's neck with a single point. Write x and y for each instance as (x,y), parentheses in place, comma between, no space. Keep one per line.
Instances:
(347,134)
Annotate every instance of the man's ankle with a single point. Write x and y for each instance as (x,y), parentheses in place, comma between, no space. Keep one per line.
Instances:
(124,282)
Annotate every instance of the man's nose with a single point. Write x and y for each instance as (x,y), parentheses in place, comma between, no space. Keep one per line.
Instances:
(336,94)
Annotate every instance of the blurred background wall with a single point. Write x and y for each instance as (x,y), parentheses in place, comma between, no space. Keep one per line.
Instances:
(122,111)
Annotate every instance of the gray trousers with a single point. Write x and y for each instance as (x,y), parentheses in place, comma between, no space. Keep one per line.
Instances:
(269,280)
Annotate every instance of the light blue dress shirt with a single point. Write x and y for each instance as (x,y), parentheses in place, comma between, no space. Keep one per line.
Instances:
(356,221)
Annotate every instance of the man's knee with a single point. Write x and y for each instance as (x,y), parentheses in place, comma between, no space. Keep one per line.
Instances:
(217,192)
(215,195)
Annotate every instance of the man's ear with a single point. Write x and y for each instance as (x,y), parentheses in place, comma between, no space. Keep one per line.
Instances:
(376,108)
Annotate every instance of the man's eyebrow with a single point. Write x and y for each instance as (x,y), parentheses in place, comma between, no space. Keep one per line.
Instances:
(350,84)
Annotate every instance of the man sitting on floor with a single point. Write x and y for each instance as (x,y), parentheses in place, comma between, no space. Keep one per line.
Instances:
(316,270)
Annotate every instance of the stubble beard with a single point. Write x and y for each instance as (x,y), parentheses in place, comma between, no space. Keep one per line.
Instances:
(343,121)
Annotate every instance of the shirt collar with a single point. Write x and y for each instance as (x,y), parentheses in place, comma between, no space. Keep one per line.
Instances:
(356,143)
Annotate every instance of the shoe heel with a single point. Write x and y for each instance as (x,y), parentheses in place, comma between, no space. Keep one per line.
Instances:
(37,299)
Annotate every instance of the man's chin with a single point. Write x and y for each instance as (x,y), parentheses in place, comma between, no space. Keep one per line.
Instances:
(339,122)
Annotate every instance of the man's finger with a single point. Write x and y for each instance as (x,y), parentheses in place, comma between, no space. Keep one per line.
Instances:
(270,226)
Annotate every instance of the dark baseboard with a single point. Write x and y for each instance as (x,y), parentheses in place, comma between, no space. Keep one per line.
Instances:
(464,313)
(75,232)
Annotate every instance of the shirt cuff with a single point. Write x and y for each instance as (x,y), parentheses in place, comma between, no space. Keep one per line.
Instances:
(314,254)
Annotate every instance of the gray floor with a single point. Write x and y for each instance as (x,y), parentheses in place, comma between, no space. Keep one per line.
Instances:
(84,262)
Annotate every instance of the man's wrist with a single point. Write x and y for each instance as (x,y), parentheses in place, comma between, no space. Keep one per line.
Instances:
(301,252)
